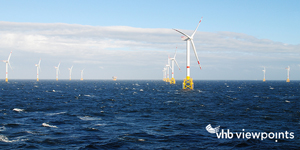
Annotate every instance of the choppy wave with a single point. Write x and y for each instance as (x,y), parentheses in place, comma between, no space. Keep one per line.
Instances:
(145,114)
(51,114)
(18,109)
(6,140)
(47,125)
(88,118)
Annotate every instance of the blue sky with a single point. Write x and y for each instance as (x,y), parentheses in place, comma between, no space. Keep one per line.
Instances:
(272,19)
(252,22)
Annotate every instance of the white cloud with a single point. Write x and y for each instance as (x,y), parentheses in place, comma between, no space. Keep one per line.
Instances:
(136,47)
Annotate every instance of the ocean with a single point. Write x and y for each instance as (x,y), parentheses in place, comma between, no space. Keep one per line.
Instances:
(149,114)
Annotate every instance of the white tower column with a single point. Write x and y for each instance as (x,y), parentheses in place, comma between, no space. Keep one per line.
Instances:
(56,74)
(37,73)
(172,68)
(6,75)
(188,58)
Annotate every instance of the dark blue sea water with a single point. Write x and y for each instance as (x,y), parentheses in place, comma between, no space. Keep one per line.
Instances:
(99,114)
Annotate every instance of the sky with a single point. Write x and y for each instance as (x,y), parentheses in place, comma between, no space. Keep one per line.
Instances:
(133,39)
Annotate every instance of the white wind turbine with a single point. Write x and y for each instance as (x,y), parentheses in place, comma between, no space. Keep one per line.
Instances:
(6,67)
(168,71)
(172,81)
(81,74)
(188,81)
(57,71)
(38,68)
(164,74)
(70,70)
(264,74)
(288,74)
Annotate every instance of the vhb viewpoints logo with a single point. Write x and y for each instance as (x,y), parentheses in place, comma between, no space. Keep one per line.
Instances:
(211,129)
(249,135)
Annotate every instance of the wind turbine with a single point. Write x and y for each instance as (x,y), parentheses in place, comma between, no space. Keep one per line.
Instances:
(6,67)
(168,71)
(38,68)
(164,74)
(81,74)
(172,81)
(57,70)
(264,74)
(188,81)
(288,74)
(70,69)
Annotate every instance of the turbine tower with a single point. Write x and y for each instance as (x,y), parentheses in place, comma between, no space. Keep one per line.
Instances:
(168,71)
(81,74)
(288,74)
(172,81)
(164,74)
(6,67)
(188,81)
(38,68)
(264,74)
(70,70)
(57,70)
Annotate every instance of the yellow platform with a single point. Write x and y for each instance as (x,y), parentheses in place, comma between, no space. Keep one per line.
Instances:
(287,80)
(264,80)
(167,80)
(172,81)
(188,83)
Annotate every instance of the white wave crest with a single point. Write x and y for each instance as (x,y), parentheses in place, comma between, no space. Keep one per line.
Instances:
(52,114)
(18,109)
(5,139)
(47,125)
(88,118)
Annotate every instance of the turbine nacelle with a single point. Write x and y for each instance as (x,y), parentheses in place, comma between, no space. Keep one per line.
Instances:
(184,38)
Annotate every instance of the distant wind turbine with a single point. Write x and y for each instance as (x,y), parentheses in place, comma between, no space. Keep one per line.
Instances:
(264,74)
(6,67)
(188,81)
(168,71)
(81,74)
(38,68)
(70,70)
(57,71)
(164,74)
(288,74)
(172,81)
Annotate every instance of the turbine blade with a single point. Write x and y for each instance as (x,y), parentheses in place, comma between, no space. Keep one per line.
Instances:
(182,33)
(9,56)
(177,65)
(39,65)
(194,48)
(175,53)
(196,28)
(10,66)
